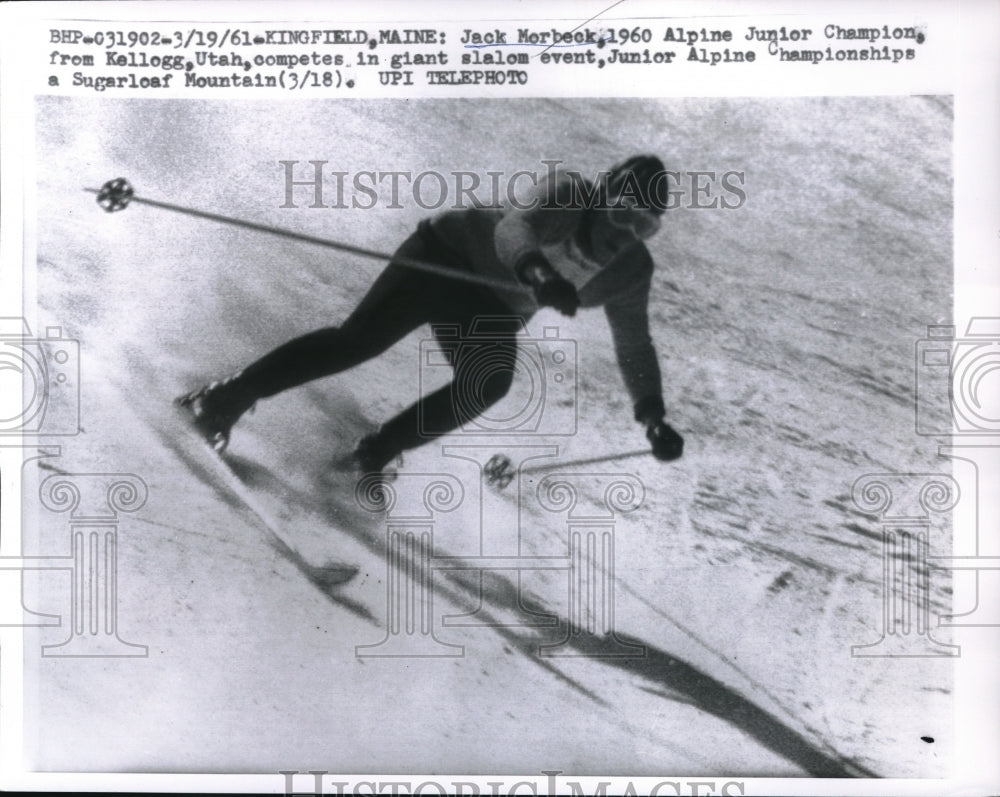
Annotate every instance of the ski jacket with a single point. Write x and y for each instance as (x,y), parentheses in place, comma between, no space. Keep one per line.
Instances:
(494,242)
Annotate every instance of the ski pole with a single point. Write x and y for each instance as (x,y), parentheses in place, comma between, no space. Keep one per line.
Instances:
(118,194)
(587,461)
(499,470)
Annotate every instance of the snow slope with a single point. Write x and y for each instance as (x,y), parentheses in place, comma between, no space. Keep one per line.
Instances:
(785,330)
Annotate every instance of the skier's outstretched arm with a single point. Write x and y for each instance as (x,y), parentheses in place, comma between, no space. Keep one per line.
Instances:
(628,317)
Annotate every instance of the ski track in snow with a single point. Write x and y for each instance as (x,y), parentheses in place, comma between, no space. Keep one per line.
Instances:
(786,333)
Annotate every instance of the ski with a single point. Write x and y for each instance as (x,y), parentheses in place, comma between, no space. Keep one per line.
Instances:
(326,577)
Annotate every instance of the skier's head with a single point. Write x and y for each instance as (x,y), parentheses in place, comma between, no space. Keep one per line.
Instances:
(639,182)
(634,196)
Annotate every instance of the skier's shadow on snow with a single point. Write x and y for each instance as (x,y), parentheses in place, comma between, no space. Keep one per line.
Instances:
(674,677)
(671,677)
(658,667)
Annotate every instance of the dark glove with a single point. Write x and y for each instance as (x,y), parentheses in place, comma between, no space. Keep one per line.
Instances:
(558,292)
(667,444)
(551,289)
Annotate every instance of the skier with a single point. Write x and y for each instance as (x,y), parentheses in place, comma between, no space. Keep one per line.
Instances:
(579,244)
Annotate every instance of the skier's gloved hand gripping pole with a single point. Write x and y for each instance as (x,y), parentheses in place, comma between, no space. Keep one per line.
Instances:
(551,289)
(667,444)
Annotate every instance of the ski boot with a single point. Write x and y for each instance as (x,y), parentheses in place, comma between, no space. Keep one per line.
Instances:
(215,407)
(373,455)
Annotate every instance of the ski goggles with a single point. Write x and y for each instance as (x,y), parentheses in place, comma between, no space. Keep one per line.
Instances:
(625,215)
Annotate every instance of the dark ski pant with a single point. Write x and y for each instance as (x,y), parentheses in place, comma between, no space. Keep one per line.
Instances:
(474,328)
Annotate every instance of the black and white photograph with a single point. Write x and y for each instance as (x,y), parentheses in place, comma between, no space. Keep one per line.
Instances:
(442,439)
